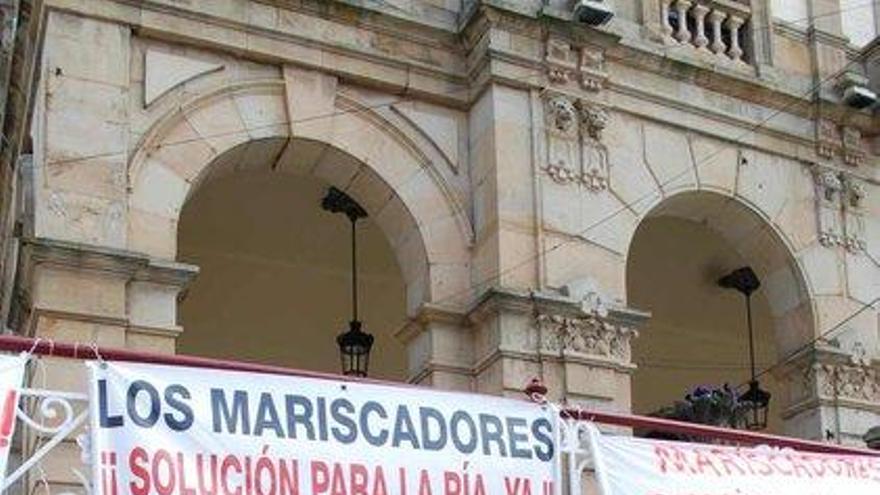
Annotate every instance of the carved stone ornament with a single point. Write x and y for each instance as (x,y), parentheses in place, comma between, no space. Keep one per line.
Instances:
(853,152)
(829,214)
(561,116)
(589,335)
(561,121)
(592,68)
(560,61)
(853,198)
(854,191)
(828,183)
(839,199)
(565,63)
(594,119)
(854,381)
(832,139)
(854,238)
(827,138)
(575,153)
(848,381)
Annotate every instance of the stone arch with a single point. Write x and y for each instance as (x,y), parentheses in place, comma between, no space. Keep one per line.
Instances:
(720,232)
(331,136)
(761,241)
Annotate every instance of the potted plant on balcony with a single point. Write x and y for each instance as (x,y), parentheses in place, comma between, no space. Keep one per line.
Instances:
(705,404)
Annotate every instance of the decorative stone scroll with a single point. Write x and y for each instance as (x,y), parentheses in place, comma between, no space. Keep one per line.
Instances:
(575,152)
(839,204)
(588,335)
(565,63)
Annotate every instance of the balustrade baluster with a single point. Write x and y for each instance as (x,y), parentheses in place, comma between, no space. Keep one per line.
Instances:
(683,34)
(665,26)
(715,18)
(700,39)
(733,24)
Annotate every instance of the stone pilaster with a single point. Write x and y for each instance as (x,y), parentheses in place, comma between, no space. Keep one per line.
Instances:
(578,348)
(439,348)
(86,294)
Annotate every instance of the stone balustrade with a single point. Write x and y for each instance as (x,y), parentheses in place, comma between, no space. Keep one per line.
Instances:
(714,27)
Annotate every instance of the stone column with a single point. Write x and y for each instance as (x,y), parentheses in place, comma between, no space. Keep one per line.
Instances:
(580,353)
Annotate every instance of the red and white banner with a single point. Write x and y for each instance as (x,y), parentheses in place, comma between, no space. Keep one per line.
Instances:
(633,466)
(174,430)
(11,376)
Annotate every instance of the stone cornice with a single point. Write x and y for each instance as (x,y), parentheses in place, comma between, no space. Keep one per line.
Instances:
(497,299)
(135,266)
(461,79)
(659,60)
(835,40)
(573,358)
(427,314)
(408,71)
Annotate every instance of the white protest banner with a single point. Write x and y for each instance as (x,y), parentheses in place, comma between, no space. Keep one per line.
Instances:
(634,466)
(11,376)
(174,430)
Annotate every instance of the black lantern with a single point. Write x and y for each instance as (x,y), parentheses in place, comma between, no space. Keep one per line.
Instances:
(756,401)
(354,344)
(354,349)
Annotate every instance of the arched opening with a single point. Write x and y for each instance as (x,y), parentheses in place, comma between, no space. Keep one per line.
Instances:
(698,333)
(275,268)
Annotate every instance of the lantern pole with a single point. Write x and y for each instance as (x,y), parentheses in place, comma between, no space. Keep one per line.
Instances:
(354,270)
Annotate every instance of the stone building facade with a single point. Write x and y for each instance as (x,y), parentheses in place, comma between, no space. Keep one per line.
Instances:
(508,153)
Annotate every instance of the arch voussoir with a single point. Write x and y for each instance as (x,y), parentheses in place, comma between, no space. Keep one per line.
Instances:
(250,127)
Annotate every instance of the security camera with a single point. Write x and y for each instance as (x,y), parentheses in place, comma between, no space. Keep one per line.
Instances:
(593,12)
(854,90)
(859,97)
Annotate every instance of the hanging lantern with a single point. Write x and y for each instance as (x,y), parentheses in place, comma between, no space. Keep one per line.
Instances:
(756,403)
(354,350)
(355,344)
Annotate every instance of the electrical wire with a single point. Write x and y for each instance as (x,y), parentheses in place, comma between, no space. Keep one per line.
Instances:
(824,335)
